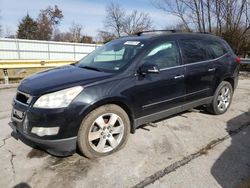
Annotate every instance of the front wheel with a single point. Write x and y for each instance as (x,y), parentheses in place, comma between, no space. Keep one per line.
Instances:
(222,98)
(103,131)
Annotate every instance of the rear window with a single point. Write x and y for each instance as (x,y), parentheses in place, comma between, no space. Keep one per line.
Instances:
(216,48)
(194,50)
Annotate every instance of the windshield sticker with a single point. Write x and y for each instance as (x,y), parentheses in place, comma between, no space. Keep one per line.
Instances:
(134,43)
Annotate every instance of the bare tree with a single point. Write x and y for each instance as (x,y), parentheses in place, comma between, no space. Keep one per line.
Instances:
(8,33)
(175,7)
(62,36)
(104,36)
(87,39)
(115,18)
(179,26)
(136,22)
(118,22)
(226,18)
(76,32)
(73,35)
(203,15)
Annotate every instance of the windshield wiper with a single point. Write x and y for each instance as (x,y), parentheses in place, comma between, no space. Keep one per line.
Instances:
(92,68)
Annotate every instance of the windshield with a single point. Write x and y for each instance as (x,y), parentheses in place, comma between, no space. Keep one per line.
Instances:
(112,56)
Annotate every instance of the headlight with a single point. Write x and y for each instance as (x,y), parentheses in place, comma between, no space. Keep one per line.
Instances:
(58,99)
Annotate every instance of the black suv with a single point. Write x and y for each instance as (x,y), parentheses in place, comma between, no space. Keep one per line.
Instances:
(95,103)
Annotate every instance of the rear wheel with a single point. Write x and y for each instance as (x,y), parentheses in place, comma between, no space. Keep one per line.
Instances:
(103,131)
(222,98)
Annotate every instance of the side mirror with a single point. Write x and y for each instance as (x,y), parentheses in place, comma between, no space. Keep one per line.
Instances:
(148,68)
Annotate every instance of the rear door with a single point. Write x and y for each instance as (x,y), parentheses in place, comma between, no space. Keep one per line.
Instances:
(222,59)
(199,68)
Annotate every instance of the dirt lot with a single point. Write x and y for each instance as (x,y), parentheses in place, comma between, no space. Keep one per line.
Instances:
(191,149)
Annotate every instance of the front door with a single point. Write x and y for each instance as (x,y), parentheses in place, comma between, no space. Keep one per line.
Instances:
(156,92)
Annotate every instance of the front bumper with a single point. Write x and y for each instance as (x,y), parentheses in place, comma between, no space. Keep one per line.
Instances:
(58,147)
(24,117)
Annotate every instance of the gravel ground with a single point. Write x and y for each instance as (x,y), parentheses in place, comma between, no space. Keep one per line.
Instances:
(191,149)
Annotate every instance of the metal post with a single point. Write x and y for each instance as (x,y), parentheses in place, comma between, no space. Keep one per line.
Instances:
(74,46)
(6,76)
(48,51)
(18,49)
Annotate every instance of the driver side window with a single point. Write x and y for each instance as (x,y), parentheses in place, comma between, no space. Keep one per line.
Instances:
(164,55)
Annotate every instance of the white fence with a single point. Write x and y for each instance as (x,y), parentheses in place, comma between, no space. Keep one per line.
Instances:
(19,49)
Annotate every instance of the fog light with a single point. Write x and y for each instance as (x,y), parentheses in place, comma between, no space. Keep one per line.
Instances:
(42,131)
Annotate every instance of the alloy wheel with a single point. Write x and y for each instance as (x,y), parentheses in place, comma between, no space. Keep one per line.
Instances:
(224,98)
(106,133)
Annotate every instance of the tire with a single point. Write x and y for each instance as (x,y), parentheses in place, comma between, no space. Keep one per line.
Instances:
(103,131)
(222,98)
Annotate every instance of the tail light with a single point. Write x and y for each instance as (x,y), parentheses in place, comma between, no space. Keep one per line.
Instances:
(237,60)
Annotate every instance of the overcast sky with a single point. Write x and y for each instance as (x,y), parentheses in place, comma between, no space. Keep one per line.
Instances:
(89,13)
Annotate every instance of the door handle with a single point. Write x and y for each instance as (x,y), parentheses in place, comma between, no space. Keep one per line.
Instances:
(211,70)
(179,76)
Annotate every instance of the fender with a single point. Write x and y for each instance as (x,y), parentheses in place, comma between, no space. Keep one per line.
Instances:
(121,101)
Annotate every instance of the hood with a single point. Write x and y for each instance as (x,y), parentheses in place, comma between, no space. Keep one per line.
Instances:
(59,78)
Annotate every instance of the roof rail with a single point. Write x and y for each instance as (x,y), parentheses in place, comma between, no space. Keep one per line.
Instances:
(203,32)
(152,31)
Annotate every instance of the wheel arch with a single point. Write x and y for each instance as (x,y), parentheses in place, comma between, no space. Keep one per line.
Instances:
(231,81)
(119,101)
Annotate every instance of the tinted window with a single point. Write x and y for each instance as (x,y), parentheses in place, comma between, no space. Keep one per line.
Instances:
(216,48)
(164,55)
(193,51)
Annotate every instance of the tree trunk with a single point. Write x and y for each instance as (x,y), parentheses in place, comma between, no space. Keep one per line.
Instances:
(197,11)
(209,16)
(203,16)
